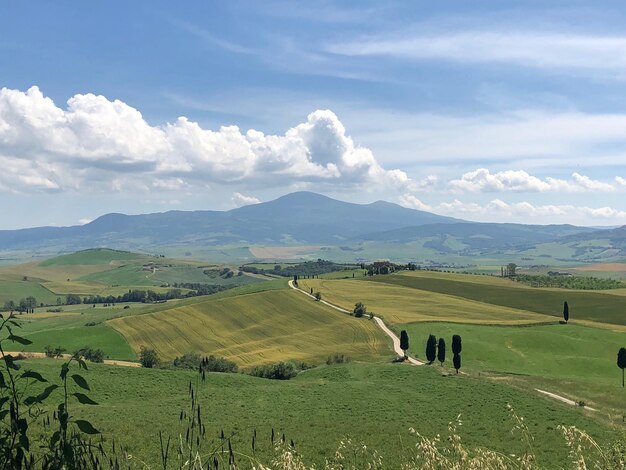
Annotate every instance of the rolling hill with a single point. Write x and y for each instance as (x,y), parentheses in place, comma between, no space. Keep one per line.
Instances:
(326,228)
(297,218)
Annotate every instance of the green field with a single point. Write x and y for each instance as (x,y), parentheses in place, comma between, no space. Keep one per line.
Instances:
(375,404)
(573,361)
(15,290)
(584,305)
(69,330)
(255,328)
(93,256)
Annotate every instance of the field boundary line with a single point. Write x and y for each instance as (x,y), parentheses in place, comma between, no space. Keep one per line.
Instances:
(379,322)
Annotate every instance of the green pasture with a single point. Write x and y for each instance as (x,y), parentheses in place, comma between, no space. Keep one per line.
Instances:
(92,256)
(16,290)
(563,359)
(373,404)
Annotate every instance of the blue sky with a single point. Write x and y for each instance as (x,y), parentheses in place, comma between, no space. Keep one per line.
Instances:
(494,111)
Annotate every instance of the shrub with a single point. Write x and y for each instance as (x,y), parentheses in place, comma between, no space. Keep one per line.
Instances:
(359,310)
(54,352)
(218,364)
(337,359)
(278,371)
(148,357)
(187,361)
(93,355)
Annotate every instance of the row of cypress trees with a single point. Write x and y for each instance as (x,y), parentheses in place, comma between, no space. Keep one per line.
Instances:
(436,349)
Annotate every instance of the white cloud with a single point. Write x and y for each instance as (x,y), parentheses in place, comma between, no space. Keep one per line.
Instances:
(498,210)
(524,48)
(84,221)
(620,181)
(97,144)
(239,200)
(518,180)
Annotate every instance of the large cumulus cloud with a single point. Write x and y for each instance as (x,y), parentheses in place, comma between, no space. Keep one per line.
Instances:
(98,144)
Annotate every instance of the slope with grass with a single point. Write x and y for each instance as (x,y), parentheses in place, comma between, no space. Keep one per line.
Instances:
(584,305)
(374,404)
(574,361)
(77,327)
(256,328)
(398,304)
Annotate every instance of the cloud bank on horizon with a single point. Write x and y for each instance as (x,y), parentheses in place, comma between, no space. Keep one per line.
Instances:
(96,145)
(101,145)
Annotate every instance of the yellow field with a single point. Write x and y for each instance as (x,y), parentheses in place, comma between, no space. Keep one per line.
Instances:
(254,329)
(397,304)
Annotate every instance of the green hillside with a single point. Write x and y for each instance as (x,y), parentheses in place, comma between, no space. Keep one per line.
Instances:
(374,404)
(92,256)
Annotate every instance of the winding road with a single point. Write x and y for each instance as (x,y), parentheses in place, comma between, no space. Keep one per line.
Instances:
(379,322)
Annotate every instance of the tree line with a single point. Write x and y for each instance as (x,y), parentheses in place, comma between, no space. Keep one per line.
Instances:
(28,304)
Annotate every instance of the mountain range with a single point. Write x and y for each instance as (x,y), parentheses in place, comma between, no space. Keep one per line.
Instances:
(306,218)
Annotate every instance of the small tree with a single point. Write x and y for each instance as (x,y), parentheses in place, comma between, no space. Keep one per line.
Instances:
(359,309)
(441,351)
(404,341)
(565,311)
(456,360)
(431,349)
(621,362)
(148,357)
(318,295)
(510,268)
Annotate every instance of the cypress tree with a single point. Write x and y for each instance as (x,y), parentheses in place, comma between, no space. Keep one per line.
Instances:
(441,351)
(431,349)
(456,344)
(404,341)
(565,311)
(621,362)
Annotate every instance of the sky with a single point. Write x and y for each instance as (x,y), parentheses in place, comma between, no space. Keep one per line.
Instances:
(491,111)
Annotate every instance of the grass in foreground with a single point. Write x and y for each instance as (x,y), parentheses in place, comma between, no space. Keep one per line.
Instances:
(256,328)
(371,403)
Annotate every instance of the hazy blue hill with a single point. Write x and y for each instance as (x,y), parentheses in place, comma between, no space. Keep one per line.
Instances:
(301,217)
(306,218)
(477,235)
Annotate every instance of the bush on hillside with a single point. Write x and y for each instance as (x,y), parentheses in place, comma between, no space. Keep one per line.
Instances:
(148,357)
(359,309)
(54,352)
(93,355)
(187,361)
(278,371)
(337,359)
